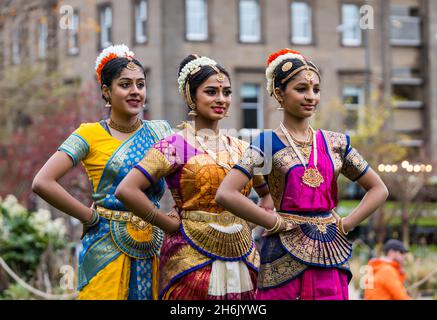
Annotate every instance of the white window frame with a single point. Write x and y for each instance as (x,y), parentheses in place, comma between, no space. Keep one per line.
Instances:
(301,23)
(357,107)
(250,22)
(196,20)
(141,15)
(42,39)
(258,106)
(105,26)
(351,32)
(73,35)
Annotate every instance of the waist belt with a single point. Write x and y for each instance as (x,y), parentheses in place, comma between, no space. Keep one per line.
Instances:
(320,222)
(224,218)
(122,216)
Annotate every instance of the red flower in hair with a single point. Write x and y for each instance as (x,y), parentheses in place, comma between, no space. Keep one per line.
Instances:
(104,61)
(281,52)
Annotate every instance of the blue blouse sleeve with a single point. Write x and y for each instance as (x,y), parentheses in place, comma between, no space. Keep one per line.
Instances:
(253,160)
(354,165)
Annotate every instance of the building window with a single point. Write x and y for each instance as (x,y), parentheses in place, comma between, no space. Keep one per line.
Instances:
(42,39)
(250,21)
(252,113)
(196,20)
(16,47)
(141,21)
(105,16)
(73,35)
(301,23)
(353,100)
(405,26)
(351,32)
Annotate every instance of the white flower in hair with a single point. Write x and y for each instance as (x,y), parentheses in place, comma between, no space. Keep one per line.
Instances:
(272,66)
(190,67)
(112,52)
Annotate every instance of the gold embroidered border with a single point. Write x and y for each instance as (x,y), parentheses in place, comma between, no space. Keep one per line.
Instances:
(279,271)
(220,244)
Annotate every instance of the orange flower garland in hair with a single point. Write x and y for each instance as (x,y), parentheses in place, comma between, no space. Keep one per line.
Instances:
(110,53)
(275,60)
(281,52)
(104,61)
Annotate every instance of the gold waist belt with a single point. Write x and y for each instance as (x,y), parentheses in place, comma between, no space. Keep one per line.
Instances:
(224,218)
(311,220)
(320,222)
(122,216)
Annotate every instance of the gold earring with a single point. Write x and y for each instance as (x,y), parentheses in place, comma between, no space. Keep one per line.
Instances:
(193,112)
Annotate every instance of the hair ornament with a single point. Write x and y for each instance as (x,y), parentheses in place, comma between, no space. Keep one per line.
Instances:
(111,53)
(193,67)
(276,58)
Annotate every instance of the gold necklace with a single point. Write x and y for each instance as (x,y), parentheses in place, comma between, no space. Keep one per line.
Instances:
(302,143)
(125,129)
(204,136)
(311,176)
(212,154)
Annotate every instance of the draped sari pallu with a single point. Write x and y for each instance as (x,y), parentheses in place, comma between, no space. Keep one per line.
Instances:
(119,256)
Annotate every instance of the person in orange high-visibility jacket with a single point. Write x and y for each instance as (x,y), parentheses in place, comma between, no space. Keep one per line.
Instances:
(385,278)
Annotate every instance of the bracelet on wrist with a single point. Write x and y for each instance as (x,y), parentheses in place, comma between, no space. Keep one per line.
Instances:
(93,220)
(341,227)
(277,226)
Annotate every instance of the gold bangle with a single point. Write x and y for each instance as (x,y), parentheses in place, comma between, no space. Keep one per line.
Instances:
(340,226)
(151,215)
(276,226)
(93,220)
(279,225)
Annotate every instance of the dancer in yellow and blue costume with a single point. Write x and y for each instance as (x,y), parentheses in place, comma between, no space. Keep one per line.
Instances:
(119,256)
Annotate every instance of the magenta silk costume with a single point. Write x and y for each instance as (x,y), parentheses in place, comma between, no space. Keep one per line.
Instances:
(212,256)
(311,260)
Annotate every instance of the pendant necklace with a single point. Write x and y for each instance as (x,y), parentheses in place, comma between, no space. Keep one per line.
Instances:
(214,155)
(311,176)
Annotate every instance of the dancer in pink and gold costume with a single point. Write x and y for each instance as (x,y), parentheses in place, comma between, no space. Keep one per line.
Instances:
(305,252)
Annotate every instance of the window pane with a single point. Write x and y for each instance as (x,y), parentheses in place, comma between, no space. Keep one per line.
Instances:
(301,23)
(351,25)
(140,21)
(252,115)
(106,26)
(250,118)
(353,99)
(196,20)
(16,50)
(250,26)
(73,35)
(249,93)
(42,40)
